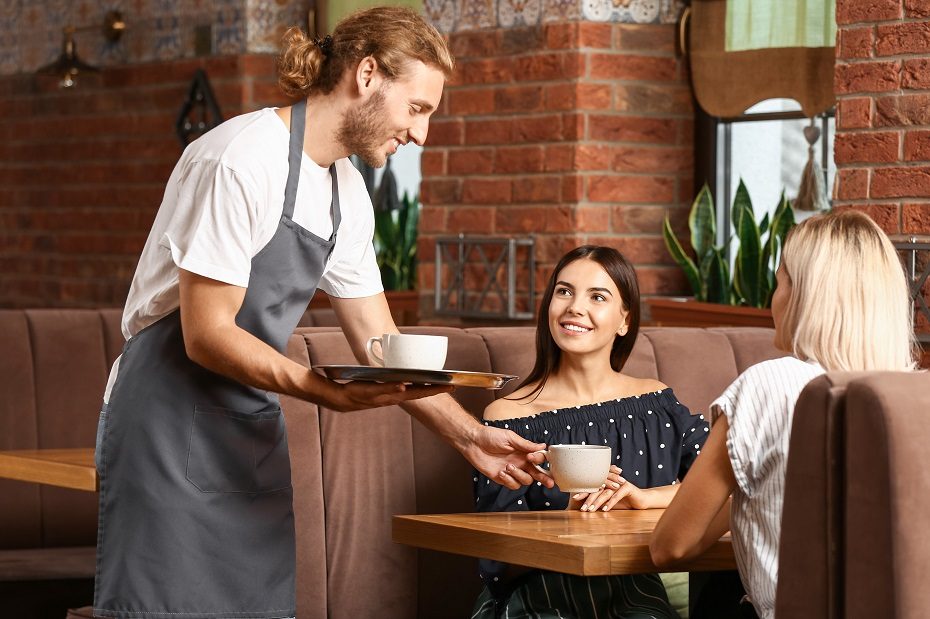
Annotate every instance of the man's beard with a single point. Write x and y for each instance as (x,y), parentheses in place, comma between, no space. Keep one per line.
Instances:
(362,128)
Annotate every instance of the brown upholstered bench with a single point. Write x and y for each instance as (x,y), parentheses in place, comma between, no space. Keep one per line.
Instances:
(351,471)
(52,373)
(854,542)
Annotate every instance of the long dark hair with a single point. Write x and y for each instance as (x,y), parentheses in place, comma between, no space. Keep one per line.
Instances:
(548,354)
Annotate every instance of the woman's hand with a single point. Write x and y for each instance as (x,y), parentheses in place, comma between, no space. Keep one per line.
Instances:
(620,493)
(592,501)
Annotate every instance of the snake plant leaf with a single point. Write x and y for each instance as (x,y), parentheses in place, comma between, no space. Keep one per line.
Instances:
(749,279)
(702,222)
(683,260)
(403,211)
(717,277)
(780,229)
(770,274)
(385,230)
(395,242)
(764,225)
(410,221)
(742,205)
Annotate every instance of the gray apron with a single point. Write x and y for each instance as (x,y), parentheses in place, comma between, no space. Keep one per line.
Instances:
(195,480)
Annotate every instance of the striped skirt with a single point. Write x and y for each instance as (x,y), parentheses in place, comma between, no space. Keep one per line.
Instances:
(541,595)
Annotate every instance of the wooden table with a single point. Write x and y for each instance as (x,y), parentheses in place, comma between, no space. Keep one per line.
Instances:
(67,468)
(573,542)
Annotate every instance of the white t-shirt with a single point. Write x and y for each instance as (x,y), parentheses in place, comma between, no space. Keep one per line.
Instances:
(759,407)
(222,205)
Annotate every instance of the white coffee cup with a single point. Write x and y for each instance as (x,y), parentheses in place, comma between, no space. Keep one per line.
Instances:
(578,468)
(410,352)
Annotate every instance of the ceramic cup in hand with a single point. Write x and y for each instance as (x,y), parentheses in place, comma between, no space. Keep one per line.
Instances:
(578,468)
(409,352)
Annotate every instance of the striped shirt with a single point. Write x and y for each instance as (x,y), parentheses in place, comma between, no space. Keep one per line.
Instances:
(759,406)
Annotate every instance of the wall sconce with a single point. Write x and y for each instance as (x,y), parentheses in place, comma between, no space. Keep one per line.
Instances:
(68,65)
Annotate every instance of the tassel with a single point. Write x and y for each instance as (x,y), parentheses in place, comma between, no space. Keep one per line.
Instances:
(811,194)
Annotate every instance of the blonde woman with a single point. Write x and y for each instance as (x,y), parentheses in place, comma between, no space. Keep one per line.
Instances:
(841,304)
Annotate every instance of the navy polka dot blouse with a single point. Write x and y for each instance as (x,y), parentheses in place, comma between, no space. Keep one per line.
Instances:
(653,438)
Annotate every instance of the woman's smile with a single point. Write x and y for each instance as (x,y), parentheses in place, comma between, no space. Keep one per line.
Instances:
(574,328)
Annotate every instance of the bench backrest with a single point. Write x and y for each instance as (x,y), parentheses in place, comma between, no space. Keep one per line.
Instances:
(853,541)
(351,471)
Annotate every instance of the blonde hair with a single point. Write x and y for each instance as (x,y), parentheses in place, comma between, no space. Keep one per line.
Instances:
(849,307)
(393,35)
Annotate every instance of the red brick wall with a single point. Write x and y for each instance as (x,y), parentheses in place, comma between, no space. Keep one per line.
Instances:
(572,132)
(882,84)
(883,117)
(82,171)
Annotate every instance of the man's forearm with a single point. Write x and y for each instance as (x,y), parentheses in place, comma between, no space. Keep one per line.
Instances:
(446,417)
(239,355)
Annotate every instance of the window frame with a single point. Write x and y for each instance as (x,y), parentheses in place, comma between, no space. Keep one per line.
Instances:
(713,145)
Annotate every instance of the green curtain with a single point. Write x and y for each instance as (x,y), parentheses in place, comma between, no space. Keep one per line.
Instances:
(764,24)
(337,9)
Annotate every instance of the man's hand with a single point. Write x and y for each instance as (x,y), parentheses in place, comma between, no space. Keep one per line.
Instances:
(503,456)
(359,395)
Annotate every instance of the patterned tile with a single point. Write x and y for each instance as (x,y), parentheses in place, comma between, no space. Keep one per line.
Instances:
(562,10)
(194,14)
(512,13)
(10,56)
(671,11)
(443,14)
(475,14)
(56,15)
(628,11)
(166,39)
(228,27)
(112,54)
(31,30)
(138,39)
(268,19)
(457,15)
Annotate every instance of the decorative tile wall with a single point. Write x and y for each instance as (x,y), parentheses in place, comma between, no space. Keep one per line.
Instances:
(31,30)
(461,15)
(267,20)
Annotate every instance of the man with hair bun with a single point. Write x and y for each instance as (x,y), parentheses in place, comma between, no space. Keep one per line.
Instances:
(195,490)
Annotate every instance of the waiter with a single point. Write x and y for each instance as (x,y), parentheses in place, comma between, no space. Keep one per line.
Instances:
(195,486)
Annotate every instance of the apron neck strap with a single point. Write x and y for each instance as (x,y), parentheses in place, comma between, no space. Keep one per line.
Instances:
(295,154)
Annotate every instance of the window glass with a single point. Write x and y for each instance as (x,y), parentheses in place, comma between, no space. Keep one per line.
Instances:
(770,155)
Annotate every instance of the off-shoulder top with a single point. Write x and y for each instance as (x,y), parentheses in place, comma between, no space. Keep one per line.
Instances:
(653,438)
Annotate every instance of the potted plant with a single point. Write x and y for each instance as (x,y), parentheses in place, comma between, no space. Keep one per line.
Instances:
(395,244)
(725,296)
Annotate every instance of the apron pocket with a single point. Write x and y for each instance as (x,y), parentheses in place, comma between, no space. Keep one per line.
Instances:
(232,451)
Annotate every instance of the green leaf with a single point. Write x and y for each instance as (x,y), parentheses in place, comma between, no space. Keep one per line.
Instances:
(389,277)
(685,262)
(395,242)
(411,209)
(772,283)
(403,212)
(764,224)
(748,278)
(702,222)
(386,232)
(742,205)
(717,278)
(781,229)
